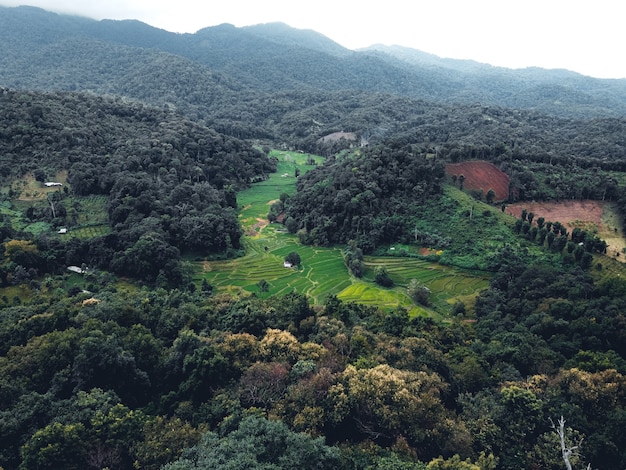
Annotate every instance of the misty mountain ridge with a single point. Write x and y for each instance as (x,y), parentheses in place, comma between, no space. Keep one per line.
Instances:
(35,46)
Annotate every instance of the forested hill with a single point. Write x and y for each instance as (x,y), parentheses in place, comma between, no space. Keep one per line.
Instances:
(59,130)
(556,91)
(217,66)
(170,183)
(367,198)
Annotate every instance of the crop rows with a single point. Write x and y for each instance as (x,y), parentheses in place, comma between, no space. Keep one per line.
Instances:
(323,271)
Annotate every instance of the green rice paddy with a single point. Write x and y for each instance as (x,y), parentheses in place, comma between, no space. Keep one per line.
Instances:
(323,271)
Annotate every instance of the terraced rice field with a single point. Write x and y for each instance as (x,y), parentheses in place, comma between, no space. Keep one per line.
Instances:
(447,285)
(90,231)
(323,271)
(255,203)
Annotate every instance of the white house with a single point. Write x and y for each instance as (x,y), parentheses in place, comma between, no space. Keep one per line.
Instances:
(50,184)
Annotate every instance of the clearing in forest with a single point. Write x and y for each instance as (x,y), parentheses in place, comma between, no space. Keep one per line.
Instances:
(480,176)
(599,217)
(323,271)
(86,216)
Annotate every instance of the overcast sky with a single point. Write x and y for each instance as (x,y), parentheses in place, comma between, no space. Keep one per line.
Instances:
(585,36)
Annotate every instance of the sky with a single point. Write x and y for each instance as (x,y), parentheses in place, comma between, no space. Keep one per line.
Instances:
(584,36)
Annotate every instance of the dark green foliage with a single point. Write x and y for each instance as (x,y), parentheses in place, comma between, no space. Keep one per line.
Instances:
(354,259)
(418,292)
(489,196)
(293,258)
(366,197)
(259,444)
(206,287)
(148,258)
(381,277)
(93,378)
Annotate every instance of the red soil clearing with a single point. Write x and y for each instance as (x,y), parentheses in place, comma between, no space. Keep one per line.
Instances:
(586,215)
(582,214)
(481,175)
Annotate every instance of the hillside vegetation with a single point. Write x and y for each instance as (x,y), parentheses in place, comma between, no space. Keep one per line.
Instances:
(170,184)
(197,271)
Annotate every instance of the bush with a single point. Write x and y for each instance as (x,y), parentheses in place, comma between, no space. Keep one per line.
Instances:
(293,258)
(382,277)
(418,292)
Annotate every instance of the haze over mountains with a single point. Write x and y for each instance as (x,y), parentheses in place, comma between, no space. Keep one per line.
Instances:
(292,87)
(44,50)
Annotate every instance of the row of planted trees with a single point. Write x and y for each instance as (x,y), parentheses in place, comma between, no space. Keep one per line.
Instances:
(578,245)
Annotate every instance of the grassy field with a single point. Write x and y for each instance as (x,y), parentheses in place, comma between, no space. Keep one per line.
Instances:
(323,271)
(255,202)
(87,216)
(447,284)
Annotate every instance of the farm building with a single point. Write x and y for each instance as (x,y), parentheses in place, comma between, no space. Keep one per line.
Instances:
(50,184)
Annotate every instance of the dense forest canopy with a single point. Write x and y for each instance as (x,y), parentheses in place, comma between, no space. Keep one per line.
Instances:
(131,359)
(170,183)
(139,377)
(369,198)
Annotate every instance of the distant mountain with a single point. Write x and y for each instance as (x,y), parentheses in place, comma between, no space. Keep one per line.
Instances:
(279,83)
(554,91)
(284,34)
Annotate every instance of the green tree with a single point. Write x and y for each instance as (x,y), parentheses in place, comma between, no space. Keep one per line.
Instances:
(418,292)
(263,285)
(56,446)
(259,444)
(150,256)
(206,287)
(385,401)
(354,259)
(489,197)
(381,277)
(164,441)
(23,252)
(293,258)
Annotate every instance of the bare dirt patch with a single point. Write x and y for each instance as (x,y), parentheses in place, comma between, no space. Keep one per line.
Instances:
(592,216)
(481,175)
(335,136)
(30,189)
(583,214)
(258,227)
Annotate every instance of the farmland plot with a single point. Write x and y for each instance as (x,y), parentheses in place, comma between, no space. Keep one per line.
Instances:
(599,217)
(447,285)
(323,271)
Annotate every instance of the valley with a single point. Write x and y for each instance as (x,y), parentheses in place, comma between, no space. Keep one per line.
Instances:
(259,249)
(323,272)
